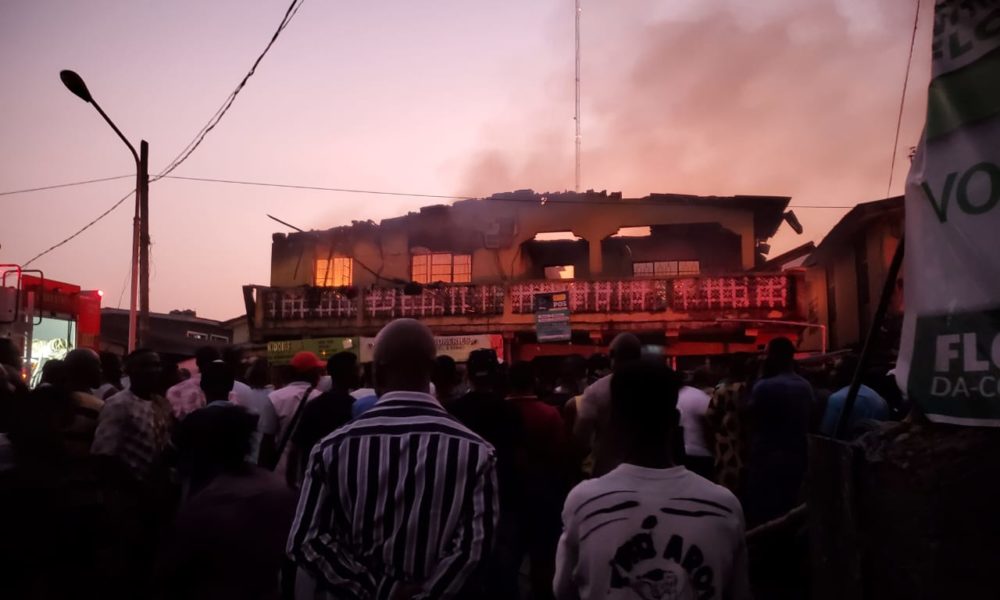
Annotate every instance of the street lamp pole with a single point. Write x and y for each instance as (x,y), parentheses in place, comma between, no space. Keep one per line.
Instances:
(140,221)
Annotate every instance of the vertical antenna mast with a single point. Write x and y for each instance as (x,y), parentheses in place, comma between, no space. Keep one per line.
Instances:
(578,137)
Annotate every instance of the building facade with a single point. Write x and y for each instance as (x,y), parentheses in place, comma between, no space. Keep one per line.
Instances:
(175,335)
(846,273)
(680,271)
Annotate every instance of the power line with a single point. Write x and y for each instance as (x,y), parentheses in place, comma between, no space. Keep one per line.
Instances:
(189,149)
(424,195)
(63,185)
(902,99)
(82,229)
(212,122)
(319,188)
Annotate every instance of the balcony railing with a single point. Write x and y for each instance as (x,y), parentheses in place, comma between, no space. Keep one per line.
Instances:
(282,304)
(684,295)
(444,301)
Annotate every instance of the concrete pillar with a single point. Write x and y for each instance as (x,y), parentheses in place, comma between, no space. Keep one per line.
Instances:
(596,260)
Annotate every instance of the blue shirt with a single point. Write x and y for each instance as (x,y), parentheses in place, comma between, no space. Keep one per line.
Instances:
(365,398)
(868,405)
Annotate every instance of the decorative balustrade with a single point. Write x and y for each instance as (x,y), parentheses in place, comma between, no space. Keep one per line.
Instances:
(685,294)
(282,304)
(653,295)
(738,292)
(444,301)
(627,295)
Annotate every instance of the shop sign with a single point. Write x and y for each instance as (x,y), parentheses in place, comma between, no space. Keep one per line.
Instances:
(456,346)
(281,353)
(552,317)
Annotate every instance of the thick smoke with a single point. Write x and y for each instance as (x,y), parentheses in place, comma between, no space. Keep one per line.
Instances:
(787,98)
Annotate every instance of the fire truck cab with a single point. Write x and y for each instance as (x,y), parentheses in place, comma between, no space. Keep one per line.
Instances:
(46,318)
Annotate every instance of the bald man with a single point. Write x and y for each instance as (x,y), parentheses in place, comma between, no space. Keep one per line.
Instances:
(401,502)
(83,368)
(593,411)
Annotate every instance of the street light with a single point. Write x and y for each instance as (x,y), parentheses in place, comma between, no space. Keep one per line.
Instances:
(140,223)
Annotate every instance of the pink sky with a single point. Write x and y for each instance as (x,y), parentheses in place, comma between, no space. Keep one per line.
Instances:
(790,97)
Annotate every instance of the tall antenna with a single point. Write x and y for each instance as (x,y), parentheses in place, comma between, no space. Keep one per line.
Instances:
(578,137)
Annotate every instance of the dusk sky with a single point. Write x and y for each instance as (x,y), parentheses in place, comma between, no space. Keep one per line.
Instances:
(784,97)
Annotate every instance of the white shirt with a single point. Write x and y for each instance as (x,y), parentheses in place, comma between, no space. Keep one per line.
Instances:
(693,404)
(592,425)
(286,400)
(651,533)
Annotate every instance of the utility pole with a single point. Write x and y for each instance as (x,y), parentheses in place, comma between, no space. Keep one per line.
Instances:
(578,137)
(134,285)
(142,199)
(140,222)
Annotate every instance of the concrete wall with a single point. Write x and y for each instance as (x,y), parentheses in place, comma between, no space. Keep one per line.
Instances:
(879,240)
(465,228)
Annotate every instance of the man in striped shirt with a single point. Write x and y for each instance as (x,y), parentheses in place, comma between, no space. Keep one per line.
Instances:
(402,502)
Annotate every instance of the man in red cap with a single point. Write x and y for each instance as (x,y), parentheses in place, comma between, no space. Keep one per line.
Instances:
(307,368)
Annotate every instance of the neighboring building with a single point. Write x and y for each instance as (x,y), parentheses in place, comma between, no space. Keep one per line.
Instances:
(175,335)
(240,328)
(676,269)
(846,272)
(792,259)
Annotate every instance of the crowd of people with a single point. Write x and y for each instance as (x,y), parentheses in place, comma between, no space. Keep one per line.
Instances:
(417,478)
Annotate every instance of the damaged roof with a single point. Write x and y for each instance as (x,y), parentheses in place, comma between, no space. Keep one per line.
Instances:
(768,210)
(854,221)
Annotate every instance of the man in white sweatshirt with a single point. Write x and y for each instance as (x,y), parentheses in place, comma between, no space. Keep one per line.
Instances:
(649,529)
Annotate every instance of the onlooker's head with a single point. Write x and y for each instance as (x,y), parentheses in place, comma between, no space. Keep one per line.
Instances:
(10,354)
(206,355)
(702,378)
(307,367)
(143,369)
(598,365)
(444,376)
(403,357)
(739,367)
(170,375)
(644,410)
(38,422)
(111,369)
(780,357)
(482,368)
(625,348)
(83,367)
(259,374)
(342,368)
(54,372)
(233,356)
(522,378)
(214,440)
(573,374)
(217,380)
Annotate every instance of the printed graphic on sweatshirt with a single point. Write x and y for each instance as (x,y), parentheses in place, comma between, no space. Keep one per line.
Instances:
(656,563)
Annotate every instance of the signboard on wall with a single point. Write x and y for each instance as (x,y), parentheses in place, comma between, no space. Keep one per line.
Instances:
(456,346)
(949,362)
(552,317)
(281,353)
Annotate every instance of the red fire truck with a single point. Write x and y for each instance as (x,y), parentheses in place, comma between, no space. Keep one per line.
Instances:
(46,318)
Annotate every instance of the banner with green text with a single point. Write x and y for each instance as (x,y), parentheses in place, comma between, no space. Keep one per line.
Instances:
(281,353)
(949,361)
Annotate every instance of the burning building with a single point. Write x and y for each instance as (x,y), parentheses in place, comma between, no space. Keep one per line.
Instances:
(685,273)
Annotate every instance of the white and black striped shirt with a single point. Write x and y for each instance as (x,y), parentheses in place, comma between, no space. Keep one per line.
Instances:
(403,495)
